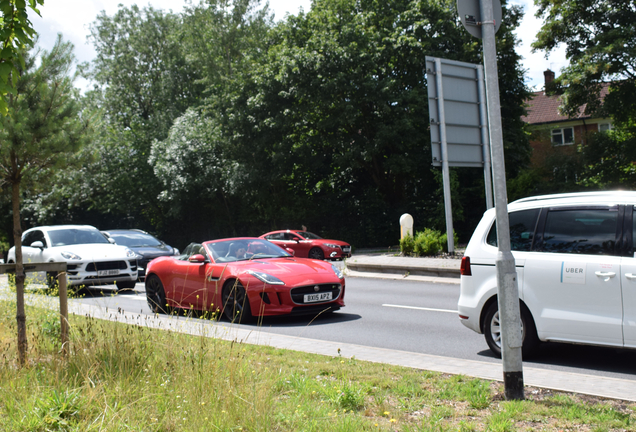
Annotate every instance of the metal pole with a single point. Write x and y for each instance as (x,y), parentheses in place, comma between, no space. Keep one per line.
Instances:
(508,293)
(483,113)
(444,148)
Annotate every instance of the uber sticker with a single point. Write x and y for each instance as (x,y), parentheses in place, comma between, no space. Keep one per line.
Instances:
(573,273)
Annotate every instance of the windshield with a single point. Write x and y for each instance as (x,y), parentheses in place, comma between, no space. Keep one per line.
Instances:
(245,249)
(73,236)
(135,239)
(308,235)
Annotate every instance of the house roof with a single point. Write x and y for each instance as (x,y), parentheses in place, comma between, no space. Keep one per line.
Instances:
(545,109)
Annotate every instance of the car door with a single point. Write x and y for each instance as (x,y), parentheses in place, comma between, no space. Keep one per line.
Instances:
(572,278)
(299,245)
(32,254)
(628,278)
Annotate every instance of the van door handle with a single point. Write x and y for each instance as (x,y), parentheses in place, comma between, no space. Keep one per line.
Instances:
(606,275)
(630,275)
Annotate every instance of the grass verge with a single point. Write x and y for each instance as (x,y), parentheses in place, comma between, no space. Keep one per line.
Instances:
(130,378)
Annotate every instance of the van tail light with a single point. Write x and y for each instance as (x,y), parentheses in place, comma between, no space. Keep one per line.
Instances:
(464,268)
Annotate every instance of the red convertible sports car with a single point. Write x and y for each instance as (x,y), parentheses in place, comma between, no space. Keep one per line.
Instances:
(243,278)
(309,245)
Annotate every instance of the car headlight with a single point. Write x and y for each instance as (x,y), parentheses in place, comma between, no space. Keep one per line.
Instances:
(337,271)
(130,253)
(333,246)
(70,256)
(267,278)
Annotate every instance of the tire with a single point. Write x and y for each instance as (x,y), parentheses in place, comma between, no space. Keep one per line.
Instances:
(492,331)
(236,306)
(156,295)
(125,285)
(316,253)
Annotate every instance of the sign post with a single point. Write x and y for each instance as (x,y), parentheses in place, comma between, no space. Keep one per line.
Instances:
(459,124)
(481,19)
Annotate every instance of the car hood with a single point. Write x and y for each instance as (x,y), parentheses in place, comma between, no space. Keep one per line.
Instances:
(292,270)
(153,251)
(96,251)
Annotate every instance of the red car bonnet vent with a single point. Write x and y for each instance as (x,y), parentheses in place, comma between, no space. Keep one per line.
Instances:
(464,268)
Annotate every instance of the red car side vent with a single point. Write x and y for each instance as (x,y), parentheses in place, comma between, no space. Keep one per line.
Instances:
(464,268)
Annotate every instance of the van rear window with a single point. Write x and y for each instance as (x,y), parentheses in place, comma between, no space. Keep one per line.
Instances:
(522,225)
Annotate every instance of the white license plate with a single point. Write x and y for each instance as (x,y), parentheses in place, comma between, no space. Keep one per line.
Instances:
(107,272)
(310,298)
(346,249)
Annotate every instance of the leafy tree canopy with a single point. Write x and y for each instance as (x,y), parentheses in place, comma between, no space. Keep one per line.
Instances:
(16,35)
(600,41)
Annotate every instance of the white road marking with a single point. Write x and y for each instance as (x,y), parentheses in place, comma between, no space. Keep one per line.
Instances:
(421,308)
(133,297)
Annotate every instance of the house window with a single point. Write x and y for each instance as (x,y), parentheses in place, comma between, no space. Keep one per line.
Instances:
(604,127)
(562,136)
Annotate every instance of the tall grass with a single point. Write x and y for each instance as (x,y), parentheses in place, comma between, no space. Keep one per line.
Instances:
(121,377)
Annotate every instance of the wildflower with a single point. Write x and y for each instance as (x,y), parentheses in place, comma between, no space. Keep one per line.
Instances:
(393,420)
(386,413)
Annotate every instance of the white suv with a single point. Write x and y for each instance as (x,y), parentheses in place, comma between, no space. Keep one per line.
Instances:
(576,270)
(91,258)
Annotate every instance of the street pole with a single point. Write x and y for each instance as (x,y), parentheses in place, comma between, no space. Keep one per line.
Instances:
(483,113)
(450,236)
(508,293)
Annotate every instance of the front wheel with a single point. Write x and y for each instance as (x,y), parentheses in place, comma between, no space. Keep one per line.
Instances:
(236,306)
(156,295)
(316,253)
(492,331)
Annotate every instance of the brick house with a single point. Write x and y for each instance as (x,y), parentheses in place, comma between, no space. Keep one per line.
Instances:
(553,133)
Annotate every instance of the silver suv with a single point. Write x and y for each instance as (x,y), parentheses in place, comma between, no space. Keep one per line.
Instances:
(576,270)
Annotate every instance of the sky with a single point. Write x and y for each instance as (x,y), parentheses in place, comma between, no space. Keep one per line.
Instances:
(72,18)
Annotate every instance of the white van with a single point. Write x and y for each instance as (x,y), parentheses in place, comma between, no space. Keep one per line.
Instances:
(576,268)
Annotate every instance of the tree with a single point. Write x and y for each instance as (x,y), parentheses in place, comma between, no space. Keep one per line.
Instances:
(338,113)
(599,36)
(43,127)
(17,35)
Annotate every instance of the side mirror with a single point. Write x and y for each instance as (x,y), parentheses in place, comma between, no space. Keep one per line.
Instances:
(197,259)
(291,251)
(111,240)
(37,244)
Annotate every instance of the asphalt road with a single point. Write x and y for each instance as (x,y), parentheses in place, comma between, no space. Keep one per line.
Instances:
(407,316)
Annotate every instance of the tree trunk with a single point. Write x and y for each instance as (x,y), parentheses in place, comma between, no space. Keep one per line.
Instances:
(19,274)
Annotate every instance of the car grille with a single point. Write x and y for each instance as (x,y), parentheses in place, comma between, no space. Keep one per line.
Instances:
(298,294)
(106,265)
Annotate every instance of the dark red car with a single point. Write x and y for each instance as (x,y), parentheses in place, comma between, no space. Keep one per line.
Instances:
(243,278)
(309,245)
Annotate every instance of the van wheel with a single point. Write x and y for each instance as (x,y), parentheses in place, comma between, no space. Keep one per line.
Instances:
(492,331)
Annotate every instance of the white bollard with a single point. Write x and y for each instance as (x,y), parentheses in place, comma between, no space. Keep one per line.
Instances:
(406,225)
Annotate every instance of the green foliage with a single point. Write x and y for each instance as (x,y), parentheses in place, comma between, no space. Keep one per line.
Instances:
(427,242)
(598,36)
(16,36)
(407,244)
(260,125)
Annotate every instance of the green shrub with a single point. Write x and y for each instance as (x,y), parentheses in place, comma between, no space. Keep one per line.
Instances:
(407,244)
(427,242)
(443,239)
